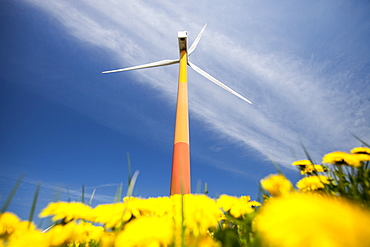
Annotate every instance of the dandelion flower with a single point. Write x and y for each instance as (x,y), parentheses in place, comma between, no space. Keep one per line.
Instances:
(67,211)
(111,215)
(360,150)
(361,153)
(276,185)
(237,206)
(30,238)
(309,220)
(225,202)
(146,231)
(9,223)
(85,232)
(80,233)
(343,158)
(59,234)
(301,163)
(312,183)
(12,227)
(107,239)
(306,167)
(200,213)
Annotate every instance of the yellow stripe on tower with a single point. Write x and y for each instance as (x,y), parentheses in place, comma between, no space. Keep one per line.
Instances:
(182,115)
(180,179)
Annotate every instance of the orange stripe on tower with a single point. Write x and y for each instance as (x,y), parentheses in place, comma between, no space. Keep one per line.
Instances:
(180,179)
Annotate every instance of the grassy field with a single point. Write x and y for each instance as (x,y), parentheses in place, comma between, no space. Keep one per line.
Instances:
(329,206)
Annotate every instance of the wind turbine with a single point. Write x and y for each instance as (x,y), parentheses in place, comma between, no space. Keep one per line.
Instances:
(180,179)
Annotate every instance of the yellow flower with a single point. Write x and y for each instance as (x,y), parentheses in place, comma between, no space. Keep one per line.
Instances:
(107,239)
(84,232)
(73,233)
(204,241)
(237,206)
(111,215)
(305,166)
(276,185)
(361,153)
(30,238)
(60,234)
(311,168)
(146,231)
(9,223)
(310,220)
(13,228)
(301,163)
(67,211)
(158,206)
(225,202)
(312,183)
(342,158)
(200,213)
(360,150)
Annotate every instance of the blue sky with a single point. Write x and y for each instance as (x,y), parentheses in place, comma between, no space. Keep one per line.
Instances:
(304,65)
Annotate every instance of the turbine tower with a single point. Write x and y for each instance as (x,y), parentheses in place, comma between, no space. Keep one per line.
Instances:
(180,178)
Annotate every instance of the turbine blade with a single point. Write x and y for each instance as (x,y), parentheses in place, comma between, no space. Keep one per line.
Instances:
(217,82)
(196,41)
(143,66)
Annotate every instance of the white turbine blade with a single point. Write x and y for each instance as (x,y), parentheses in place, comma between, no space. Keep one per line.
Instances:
(196,41)
(217,82)
(143,66)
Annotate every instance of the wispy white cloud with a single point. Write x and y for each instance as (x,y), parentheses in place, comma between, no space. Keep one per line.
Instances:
(297,98)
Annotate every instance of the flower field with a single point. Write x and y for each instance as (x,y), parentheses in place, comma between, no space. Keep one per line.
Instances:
(329,206)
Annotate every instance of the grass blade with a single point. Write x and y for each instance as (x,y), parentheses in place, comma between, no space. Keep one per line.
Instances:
(205,188)
(12,193)
(132,184)
(83,194)
(360,140)
(91,197)
(277,167)
(118,195)
(32,212)
(199,187)
(128,194)
(307,154)
(68,195)
(128,169)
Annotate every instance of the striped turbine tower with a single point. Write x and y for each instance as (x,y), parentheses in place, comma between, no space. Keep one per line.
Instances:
(180,176)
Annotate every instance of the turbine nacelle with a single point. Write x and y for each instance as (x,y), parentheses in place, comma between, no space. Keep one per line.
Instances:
(183,46)
(183,40)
